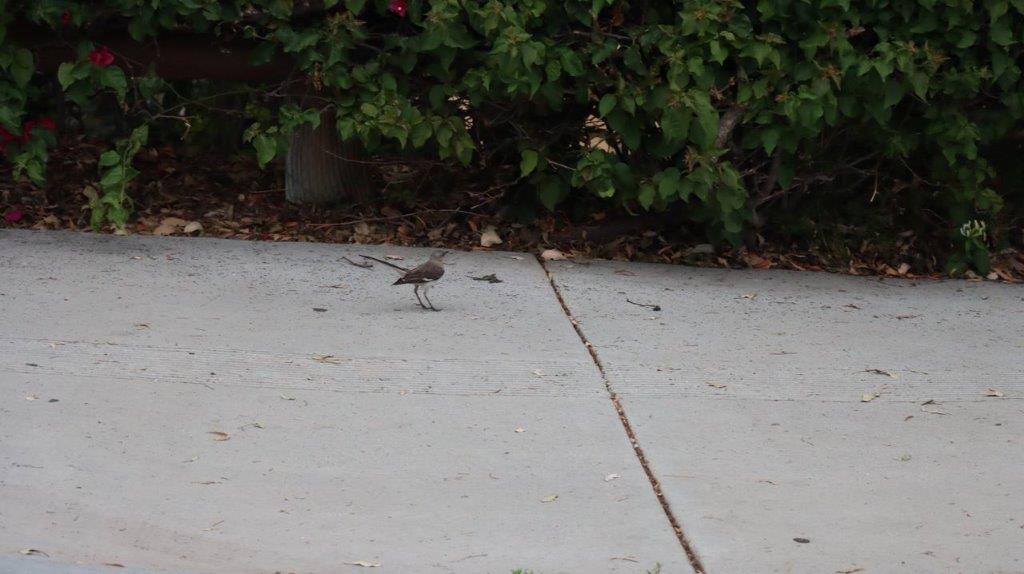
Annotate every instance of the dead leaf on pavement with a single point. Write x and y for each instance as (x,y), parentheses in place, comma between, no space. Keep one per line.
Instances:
(611,477)
(550,498)
(287,398)
(750,296)
(925,409)
(394,257)
(489,237)
(520,430)
(624,558)
(169,226)
(33,552)
(492,278)
(328,359)
(881,372)
(993,393)
(552,255)
(219,435)
(850,571)
(716,385)
(868,397)
(365,564)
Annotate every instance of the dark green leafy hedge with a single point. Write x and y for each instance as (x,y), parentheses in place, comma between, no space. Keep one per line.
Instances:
(721,106)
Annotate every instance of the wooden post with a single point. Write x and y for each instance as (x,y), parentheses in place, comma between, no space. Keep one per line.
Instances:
(321,169)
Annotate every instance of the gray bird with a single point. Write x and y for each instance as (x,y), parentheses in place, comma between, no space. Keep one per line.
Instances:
(423,276)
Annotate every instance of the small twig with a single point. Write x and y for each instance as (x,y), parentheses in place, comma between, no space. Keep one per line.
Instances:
(651,307)
(388,263)
(361,265)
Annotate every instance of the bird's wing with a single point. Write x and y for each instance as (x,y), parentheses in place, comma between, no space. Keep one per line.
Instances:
(425,273)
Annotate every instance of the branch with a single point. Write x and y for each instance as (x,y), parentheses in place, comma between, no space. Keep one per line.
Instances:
(727,124)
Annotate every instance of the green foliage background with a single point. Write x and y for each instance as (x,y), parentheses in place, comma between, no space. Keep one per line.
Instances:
(901,113)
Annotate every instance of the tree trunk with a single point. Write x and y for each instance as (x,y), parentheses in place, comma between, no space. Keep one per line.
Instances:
(321,169)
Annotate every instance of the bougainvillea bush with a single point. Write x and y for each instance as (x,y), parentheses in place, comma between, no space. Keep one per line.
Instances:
(733,116)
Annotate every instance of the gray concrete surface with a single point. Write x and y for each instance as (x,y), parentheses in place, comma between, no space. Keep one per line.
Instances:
(746,392)
(356,427)
(369,431)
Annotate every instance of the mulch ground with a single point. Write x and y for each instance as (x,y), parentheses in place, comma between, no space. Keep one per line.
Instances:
(232,198)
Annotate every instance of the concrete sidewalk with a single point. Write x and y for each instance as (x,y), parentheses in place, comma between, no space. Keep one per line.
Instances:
(194,405)
(806,422)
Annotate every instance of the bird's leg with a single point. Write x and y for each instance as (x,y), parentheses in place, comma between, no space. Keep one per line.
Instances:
(432,308)
(416,292)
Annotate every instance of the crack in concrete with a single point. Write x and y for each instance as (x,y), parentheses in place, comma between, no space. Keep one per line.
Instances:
(695,562)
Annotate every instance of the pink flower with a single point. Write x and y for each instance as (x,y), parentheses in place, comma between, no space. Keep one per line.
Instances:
(398,7)
(101,57)
(13,215)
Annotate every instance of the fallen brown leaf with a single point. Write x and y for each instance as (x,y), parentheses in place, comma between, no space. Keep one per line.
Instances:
(219,435)
(489,237)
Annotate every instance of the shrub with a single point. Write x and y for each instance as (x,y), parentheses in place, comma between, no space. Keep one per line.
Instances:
(716,108)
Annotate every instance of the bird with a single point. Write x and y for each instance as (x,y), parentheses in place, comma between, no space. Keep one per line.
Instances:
(423,276)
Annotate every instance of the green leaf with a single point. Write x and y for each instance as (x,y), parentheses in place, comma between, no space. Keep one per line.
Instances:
(626,126)
(113,177)
(266,149)
(528,162)
(552,190)
(769,139)
(571,63)
(113,78)
(66,75)
(646,195)
(355,6)
(675,123)
(109,158)
(707,121)
(668,183)
(21,67)
(607,104)
(919,81)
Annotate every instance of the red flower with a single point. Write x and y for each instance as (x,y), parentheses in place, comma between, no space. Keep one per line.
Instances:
(102,57)
(26,130)
(5,138)
(13,215)
(398,7)
(65,18)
